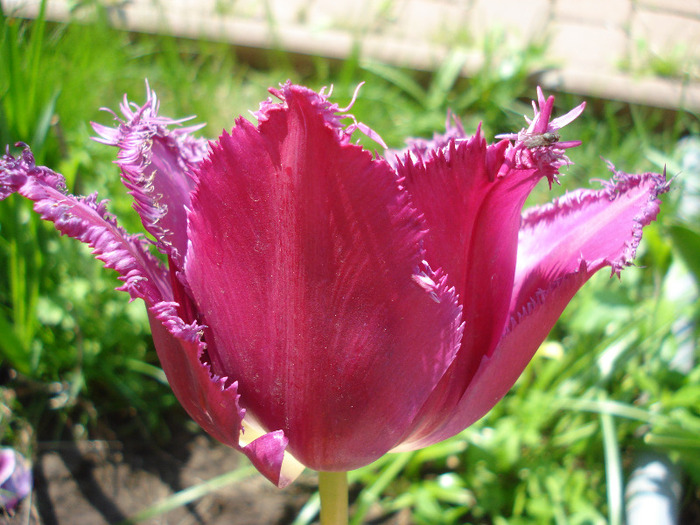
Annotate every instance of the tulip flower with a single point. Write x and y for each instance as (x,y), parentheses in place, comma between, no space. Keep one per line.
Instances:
(322,306)
(15,479)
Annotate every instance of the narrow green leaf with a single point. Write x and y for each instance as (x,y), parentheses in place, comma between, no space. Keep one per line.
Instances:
(191,494)
(613,470)
(13,350)
(687,243)
(398,78)
(446,77)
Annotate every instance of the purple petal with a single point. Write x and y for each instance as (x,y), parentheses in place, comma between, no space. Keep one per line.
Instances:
(210,400)
(7,464)
(540,122)
(86,219)
(561,246)
(211,403)
(567,118)
(472,203)
(305,259)
(15,479)
(157,166)
(600,228)
(531,150)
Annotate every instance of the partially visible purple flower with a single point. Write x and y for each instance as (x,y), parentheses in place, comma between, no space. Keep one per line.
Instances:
(15,479)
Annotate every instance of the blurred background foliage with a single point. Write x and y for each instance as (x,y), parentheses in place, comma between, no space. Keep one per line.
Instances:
(617,376)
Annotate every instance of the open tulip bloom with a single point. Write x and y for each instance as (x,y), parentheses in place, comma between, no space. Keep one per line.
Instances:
(322,306)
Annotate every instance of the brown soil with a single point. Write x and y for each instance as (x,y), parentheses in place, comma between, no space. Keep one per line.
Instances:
(104,483)
(99,482)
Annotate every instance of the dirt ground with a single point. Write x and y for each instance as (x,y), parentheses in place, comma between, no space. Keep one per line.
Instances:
(100,482)
(104,483)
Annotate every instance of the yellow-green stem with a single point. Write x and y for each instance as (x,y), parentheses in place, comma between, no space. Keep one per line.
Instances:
(333,488)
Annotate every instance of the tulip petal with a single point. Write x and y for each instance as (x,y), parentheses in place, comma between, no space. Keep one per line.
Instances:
(473,215)
(86,219)
(471,196)
(472,202)
(305,259)
(561,246)
(211,401)
(157,166)
(602,228)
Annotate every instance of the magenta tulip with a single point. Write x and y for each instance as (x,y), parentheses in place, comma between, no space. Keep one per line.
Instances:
(322,306)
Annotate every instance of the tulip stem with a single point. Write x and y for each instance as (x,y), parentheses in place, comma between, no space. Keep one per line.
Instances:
(333,488)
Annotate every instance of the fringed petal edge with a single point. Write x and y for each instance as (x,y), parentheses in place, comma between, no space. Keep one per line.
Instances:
(157,161)
(87,220)
(331,112)
(535,310)
(213,401)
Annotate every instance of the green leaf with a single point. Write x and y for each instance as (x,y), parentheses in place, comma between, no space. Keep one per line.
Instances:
(686,241)
(13,350)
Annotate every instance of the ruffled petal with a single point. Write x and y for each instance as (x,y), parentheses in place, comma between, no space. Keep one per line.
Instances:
(538,145)
(472,209)
(305,259)
(210,400)
(499,371)
(561,246)
(472,196)
(86,219)
(600,228)
(472,205)
(157,165)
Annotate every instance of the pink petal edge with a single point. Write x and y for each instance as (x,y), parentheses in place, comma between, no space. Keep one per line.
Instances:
(536,308)
(86,219)
(157,165)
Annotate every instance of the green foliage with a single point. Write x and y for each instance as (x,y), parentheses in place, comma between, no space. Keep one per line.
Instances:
(604,387)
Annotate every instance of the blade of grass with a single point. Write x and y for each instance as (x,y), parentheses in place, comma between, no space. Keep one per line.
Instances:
(36,41)
(191,494)
(613,470)
(612,408)
(11,348)
(372,492)
(147,369)
(398,78)
(445,79)
(309,511)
